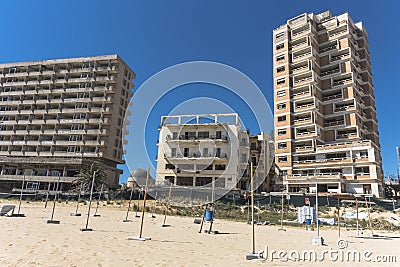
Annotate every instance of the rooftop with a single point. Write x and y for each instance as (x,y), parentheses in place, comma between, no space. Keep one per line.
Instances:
(201,119)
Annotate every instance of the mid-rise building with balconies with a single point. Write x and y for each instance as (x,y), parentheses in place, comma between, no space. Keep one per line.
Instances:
(58,116)
(326,130)
(205,149)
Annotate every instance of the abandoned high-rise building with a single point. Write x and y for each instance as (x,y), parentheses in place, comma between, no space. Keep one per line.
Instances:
(57,116)
(326,130)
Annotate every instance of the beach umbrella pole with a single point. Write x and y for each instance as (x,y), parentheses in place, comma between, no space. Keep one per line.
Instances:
(369,216)
(153,207)
(77,202)
(98,201)
(90,204)
(253,255)
(248,210)
(52,221)
(338,215)
(282,207)
(47,195)
(140,237)
(317,240)
(129,207)
(20,200)
(358,227)
(137,206)
(167,207)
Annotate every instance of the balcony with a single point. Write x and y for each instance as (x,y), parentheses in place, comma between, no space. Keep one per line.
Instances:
(331,71)
(300,31)
(334,33)
(299,43)
(301,55)
(348,79)
(301,120)
(346,135)
(333,123)
(303,148)
(328,47)
(307,133)
(340,56)
(300,67)
(313,178)
(222,138)
(63,179)
(344,145)
(302,91)
(197,156)
(332,96)
(344,107)
(304,105)
(298,94)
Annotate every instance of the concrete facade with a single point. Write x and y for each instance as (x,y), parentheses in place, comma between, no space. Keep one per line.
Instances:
(56,116)
(201,149)
(326,129)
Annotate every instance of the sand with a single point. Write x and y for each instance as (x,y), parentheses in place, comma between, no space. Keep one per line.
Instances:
(30,241)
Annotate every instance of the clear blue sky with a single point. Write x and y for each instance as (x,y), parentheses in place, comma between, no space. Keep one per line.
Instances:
(152,35)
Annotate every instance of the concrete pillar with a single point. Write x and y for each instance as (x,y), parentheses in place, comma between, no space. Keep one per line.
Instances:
(194,180)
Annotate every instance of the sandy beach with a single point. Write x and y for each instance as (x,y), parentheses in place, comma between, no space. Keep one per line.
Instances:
(30,241)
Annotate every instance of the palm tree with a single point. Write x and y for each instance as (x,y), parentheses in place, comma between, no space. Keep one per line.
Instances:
(85,176)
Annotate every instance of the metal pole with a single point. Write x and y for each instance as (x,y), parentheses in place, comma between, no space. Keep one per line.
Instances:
(344,217)
(47,195)
(98,200)
(137,206)
(358,231)
(144,203)
(167,207)
(54,202)
(253,250)
(338,214)
(90,204)
(129,206)
(212,191)
(369,216)
(20,196)
(316,207)
(154,206)
(282,206)
(248,209)
(79,198)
